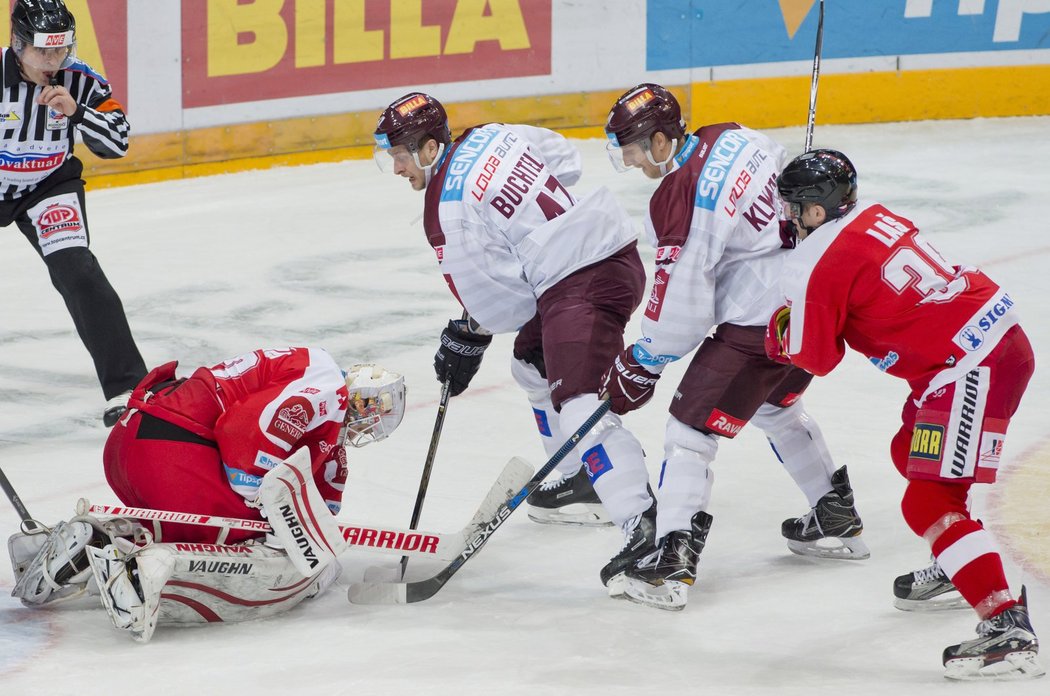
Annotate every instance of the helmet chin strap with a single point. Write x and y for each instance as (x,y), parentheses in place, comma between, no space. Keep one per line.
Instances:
(664,166)
(428,170)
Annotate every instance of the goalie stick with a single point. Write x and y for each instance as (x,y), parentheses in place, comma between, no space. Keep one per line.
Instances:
(420,590)
(367,537)
(29,525)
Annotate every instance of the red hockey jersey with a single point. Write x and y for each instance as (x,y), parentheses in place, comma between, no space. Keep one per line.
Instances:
(259,408)
(871,281)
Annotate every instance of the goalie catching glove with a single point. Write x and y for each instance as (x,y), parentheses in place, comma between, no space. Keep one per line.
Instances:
(627,384)
(778,333)
(462,346)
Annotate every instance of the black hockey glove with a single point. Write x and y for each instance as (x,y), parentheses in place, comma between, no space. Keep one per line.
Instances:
(459,356)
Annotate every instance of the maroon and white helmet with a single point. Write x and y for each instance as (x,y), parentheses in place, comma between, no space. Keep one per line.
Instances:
(642,111)
(410,120)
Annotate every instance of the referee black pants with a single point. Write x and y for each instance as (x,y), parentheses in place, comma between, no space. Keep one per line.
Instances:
(93,304)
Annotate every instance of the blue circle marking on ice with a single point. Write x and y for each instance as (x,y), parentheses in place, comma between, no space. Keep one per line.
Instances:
(24,633)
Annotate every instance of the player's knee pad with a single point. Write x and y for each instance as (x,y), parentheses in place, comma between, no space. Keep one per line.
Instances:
(684,441)
(929,507)
(789,429)
(578,409)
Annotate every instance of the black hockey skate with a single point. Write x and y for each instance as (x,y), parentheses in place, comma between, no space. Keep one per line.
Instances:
(1005,648)
(639,539)
(570,500)
(926,589)
(831,529)
(662,578)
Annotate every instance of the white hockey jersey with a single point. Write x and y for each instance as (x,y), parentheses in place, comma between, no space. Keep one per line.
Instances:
(715,223)
(504,226)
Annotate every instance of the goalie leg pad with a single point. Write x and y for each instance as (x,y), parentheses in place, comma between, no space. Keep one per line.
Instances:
(130,580)
(211,583)
(301,521)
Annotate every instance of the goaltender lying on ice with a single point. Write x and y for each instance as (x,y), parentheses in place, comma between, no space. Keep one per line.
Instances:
(116,560)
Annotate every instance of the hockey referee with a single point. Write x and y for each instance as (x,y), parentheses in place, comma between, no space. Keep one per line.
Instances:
(49,95)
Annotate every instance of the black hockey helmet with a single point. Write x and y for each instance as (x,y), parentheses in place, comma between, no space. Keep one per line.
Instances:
(32,17)
(824,177)
(642,111)
(410,120)
(49,27)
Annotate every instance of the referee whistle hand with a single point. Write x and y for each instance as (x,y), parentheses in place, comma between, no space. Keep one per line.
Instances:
(58,98)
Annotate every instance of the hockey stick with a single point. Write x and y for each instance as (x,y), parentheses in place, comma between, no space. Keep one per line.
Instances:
(29,525)
(816,77)
(443,547)
(409,592)
(384,539)
(428,465)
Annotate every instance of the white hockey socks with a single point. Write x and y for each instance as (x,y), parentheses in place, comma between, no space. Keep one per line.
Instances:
(613,457)
(798,443)
(547,419)
(685,476)
(301,520)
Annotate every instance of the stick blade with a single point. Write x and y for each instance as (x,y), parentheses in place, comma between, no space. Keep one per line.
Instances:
(378,593)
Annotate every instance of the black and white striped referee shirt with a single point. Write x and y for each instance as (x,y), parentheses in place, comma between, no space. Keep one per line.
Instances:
(37,140)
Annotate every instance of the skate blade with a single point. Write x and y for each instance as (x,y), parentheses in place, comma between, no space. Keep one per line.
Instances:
(672,595)
(946,602)
(841,548)
(575,515)
(617,586)
(1013,667)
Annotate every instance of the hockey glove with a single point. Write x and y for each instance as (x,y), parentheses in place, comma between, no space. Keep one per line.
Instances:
(777,334)
(627,384)
(459,356)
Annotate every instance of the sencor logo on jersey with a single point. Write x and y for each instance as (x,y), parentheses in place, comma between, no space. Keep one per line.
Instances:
(724,154)
(463,159)
(291,419)
(927,442)
(724,424)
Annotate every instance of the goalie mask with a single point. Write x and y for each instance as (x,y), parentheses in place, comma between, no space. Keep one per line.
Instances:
(43,34)
(376,404)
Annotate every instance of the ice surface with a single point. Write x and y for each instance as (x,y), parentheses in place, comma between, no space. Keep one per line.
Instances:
(334,255)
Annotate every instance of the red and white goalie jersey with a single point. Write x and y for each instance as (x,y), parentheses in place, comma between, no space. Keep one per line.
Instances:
(259,408)
(715,223)
(504,226)
(870,280)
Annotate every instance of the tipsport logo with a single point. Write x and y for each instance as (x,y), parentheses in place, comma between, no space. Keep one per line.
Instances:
(744,32)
